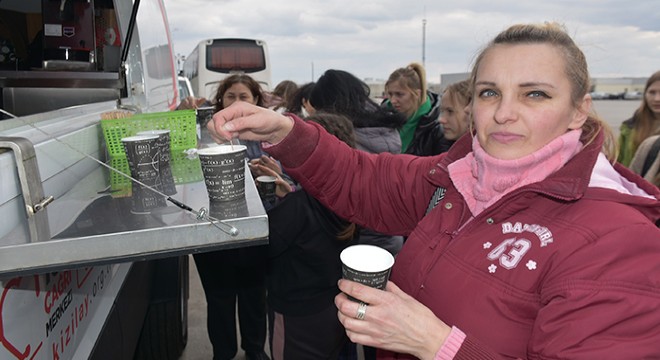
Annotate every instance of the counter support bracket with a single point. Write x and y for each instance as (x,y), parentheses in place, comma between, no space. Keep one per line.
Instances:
(31,188)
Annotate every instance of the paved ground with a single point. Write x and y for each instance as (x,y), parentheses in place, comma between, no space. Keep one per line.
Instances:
(199,346)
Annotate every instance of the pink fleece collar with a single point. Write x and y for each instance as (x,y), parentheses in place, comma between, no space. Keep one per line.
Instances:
(483,179)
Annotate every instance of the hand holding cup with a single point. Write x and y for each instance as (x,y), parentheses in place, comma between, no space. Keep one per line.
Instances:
(392,320)
(367,264)
(282,186)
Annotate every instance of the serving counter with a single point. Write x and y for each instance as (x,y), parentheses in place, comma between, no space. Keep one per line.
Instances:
(91,226)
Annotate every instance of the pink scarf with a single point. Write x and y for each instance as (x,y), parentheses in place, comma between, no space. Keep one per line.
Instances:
(483,179)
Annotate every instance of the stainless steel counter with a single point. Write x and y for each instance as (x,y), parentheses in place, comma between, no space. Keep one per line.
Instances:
(91,227)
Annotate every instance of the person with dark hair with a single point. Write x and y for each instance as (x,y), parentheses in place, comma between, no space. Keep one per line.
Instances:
(376,128)
(281,94)
(407,93)
(644,122)
(305,239)
(526,240)
(240,87)
(236,275)
(298,103)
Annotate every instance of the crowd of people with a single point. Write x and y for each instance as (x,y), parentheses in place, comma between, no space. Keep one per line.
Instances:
(521,227)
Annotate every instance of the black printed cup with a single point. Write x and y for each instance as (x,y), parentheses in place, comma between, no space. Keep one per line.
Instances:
(223,210)
(164,142)
(266,186)
(223,167)
(143,200)
(143,155)
(367,264)
(204,115)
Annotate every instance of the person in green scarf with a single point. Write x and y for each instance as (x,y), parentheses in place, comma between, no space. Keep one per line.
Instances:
(407,93)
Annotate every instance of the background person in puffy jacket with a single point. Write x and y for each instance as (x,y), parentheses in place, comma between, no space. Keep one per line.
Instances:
(525,240)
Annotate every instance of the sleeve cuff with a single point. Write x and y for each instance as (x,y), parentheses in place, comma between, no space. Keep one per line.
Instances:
(451,345)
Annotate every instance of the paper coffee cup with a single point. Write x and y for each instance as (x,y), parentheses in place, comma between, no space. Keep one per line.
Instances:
(164,142)
(143,200)
(266,186)
(223,210)
(367,264)
(204,114)
(223,167)
(143,155)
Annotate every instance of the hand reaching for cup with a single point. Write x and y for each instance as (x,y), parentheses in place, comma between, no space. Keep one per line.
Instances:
(267,161)
(191,102)
(391,320)
(249,122)
(282,186)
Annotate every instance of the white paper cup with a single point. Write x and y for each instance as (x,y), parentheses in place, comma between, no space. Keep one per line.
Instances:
(223,167)
(367,264)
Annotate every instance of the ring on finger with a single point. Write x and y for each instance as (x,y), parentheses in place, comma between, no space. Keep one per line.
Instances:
(361,311)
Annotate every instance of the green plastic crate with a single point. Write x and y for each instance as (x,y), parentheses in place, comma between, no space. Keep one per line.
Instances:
(181,123)
(183,135)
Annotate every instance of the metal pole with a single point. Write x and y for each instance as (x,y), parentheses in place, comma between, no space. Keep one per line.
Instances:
(424,40)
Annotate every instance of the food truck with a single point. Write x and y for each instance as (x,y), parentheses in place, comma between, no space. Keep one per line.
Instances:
(82,275)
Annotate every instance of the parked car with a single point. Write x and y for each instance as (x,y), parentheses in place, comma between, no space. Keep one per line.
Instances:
(632,95)
(615,96)
(599,95)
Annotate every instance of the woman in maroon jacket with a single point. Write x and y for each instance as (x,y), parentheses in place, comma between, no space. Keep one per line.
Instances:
(533,244)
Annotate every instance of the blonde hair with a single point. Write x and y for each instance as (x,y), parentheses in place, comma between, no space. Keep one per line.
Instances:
(460,92)
(411,77)
(575,67)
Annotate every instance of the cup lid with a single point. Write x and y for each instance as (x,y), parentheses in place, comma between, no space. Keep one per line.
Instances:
(266,178)
(221,149)
(154,132)
(139,138)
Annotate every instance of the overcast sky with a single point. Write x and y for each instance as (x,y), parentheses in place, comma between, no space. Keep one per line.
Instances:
(372,38)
